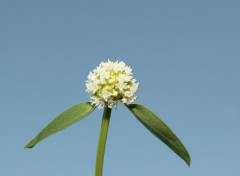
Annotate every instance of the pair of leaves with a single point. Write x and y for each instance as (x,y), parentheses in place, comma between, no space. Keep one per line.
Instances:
(154,124)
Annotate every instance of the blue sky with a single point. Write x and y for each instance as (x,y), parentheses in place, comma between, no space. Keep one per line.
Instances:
(185,54)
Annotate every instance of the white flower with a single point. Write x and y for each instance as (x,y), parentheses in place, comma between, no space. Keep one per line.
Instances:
(111,83)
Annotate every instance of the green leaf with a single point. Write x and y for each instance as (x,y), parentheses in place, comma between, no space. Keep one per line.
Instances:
(62,121)
(155,125)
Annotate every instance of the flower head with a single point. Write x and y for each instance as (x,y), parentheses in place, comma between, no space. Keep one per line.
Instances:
(111,83)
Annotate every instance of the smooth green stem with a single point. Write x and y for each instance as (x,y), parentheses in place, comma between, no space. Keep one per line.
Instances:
(102,141)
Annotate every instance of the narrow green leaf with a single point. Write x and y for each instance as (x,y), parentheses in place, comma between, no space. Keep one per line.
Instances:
(62,121)
(155,125)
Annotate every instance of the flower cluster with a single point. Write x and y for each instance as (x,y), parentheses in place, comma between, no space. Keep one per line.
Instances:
(111,83)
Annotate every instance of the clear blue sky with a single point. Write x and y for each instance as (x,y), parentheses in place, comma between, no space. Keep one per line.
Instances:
(185,54)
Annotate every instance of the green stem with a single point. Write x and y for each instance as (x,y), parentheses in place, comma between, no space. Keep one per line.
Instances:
(102,141)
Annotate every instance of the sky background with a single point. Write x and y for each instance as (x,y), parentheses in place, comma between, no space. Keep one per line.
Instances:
(185,54)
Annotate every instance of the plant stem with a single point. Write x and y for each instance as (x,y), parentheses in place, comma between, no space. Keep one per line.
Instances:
(102,141)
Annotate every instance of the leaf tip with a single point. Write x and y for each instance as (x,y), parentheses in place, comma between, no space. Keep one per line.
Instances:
(30,145)
(188,160)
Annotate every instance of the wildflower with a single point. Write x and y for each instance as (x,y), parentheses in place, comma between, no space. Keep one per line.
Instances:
(111,83)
